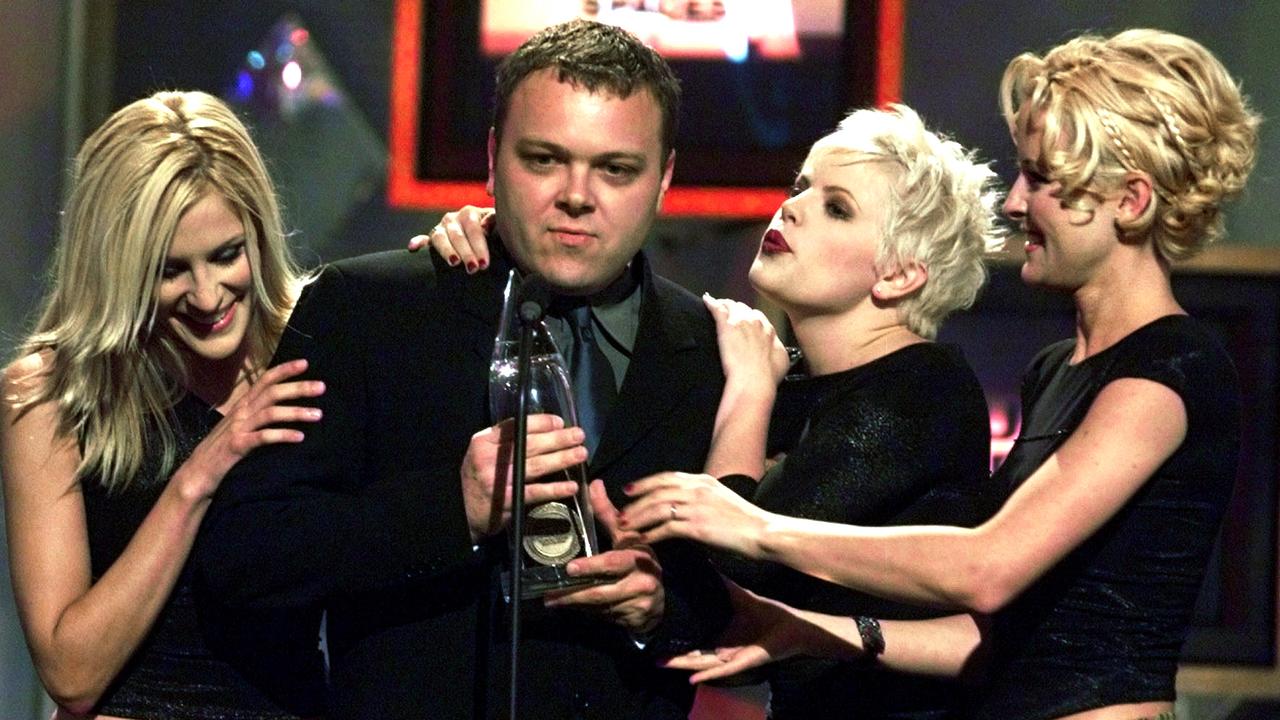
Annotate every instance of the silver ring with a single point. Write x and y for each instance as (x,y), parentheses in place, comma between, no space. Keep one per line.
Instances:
(673,512)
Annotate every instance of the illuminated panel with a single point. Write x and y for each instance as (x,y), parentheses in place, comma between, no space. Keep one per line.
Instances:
(406,190)
(1006,423)
(891,19)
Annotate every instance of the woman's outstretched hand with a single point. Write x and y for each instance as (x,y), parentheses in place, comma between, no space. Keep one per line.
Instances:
(762,631)
(696,507)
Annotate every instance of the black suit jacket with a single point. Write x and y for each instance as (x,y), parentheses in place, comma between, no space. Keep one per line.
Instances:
(365,517)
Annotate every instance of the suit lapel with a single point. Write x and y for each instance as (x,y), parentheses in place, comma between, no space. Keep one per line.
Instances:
(479,301)
(659,375)
(662,368)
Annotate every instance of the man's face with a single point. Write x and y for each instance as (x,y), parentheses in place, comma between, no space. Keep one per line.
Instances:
(577,178)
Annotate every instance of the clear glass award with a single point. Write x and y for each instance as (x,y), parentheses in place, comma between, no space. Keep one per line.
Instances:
(558,531)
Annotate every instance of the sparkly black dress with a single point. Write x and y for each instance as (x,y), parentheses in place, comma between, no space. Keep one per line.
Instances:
(1105,625)
(902,440)
(199,661)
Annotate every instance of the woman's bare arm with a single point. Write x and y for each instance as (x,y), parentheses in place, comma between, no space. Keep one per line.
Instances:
(81,632)
(1132,427)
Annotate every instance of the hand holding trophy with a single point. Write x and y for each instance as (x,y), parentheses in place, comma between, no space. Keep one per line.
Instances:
(555,532)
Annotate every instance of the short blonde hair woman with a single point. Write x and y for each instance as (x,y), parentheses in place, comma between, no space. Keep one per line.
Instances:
(1127,148)
(144,381)
(940,212)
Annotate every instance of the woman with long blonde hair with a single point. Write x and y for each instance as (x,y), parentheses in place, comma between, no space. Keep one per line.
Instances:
(143,382)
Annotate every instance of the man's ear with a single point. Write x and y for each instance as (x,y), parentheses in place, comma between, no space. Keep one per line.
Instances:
(667,172)
(900,282)
(493,153)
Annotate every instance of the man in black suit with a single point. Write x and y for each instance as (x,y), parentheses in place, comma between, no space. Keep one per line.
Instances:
(390,513)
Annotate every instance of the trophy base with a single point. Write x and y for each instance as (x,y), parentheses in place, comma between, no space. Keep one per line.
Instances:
(538,581)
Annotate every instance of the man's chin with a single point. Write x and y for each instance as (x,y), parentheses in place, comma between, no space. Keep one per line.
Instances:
(574,280)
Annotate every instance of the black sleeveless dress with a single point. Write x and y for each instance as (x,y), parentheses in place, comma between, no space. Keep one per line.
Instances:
(196,661)
(1105,625)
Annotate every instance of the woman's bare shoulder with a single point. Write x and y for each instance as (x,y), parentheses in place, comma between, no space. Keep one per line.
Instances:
(27,374)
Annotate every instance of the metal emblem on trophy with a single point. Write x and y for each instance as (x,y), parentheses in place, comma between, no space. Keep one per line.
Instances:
(558,531)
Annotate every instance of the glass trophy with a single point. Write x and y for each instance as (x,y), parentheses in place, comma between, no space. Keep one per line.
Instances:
(558,531)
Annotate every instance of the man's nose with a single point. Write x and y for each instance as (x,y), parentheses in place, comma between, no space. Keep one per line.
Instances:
(575,195)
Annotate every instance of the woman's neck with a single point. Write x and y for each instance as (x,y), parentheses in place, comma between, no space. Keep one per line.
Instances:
(1113,305)
(220,382)
(833,344)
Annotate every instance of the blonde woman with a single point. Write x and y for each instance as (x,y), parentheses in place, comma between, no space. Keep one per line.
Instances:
(143,383)
(1127,147)
(883,237)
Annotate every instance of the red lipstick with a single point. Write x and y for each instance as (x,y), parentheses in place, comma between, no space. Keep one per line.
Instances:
(774,243)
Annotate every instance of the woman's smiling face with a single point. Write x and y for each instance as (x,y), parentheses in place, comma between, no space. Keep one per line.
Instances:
(206,284)
(1064,245)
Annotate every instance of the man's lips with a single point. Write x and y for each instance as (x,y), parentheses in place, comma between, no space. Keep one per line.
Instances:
(773,242)
(572,236)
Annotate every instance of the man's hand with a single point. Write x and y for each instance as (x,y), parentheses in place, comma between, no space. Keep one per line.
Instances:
(634,597)
(486,470)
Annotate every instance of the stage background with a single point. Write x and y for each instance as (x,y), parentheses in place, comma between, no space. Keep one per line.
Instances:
(64,65)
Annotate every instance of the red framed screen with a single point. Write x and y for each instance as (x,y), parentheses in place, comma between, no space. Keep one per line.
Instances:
(409,188)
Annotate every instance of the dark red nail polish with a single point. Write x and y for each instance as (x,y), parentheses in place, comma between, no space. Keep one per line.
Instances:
(484,264)
(453,259)
(471,266)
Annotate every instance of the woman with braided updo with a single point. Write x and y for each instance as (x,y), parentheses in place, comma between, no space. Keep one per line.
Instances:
(1127,146)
